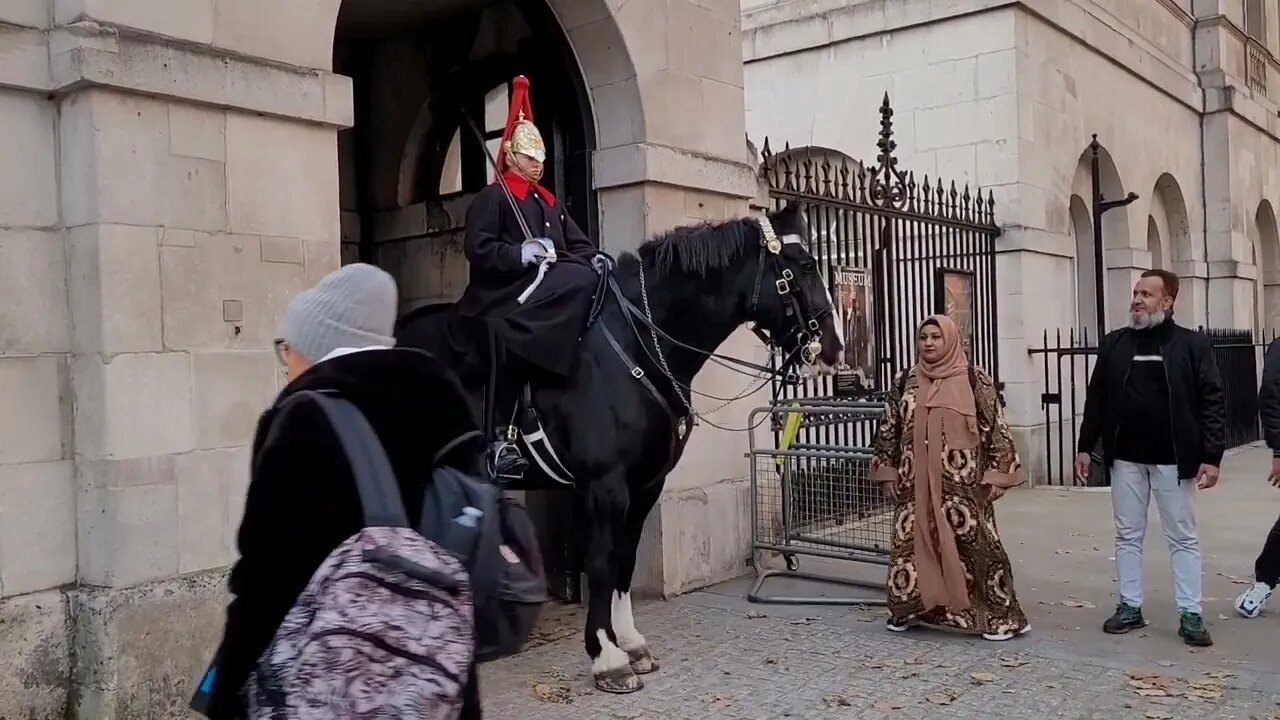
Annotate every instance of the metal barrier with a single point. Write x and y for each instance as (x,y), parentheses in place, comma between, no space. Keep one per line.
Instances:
(816,500)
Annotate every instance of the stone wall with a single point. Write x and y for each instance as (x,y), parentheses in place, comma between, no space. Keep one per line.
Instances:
(170,181)
(37,468)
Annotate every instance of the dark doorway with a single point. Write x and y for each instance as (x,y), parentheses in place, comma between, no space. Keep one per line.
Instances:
(410,165)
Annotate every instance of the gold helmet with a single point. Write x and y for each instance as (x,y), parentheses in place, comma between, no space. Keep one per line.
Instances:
(526,140)
(520,134)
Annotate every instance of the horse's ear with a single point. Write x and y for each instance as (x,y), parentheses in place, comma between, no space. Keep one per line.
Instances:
(793,209)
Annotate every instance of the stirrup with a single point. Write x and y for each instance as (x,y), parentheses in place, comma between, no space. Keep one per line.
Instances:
(506,462)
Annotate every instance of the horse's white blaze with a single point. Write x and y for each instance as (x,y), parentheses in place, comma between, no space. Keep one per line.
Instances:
(611,657)
(624,622)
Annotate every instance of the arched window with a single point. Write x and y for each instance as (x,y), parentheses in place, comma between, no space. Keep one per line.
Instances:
(465,168)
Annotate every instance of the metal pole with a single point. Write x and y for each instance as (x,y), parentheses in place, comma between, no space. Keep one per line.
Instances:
(1101,206)
(1098,294)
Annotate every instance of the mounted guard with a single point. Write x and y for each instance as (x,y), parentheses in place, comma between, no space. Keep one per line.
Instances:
(533,275)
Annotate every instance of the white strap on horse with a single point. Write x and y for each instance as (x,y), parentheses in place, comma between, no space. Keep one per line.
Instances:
(771,236)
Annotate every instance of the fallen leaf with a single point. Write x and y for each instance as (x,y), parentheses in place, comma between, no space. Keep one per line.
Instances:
(1218,674)
(770,661)
(941,698)
(1013,661)
(1206,695)
(836,701)
(1009,692)
(886,705)
(1158,715)
(558,694)
(1166,663)
(1151,692)
(755,615)
(717,700)
(982,678)
(1078,604)
(1223,617)
(1205,684)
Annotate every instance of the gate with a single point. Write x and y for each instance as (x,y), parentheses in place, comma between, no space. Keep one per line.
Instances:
(1068,362)
(912,248)
(893,250)
(817,500)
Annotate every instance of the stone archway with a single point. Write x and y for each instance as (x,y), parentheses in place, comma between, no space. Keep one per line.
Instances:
(410,165)
(1266,250)
(1155,243)
(1172,219)
(1085,280)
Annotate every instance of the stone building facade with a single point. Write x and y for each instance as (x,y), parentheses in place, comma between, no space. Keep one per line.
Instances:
(1005,95)
(172,171)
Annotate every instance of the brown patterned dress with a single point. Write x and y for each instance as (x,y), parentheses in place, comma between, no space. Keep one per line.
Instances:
(994,607)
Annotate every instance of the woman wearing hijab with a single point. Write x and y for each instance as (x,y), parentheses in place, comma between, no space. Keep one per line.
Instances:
(943,455)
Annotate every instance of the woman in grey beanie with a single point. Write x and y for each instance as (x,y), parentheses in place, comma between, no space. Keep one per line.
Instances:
(302,500)
(352,308)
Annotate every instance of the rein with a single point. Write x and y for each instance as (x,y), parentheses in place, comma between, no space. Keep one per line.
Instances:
(807,332)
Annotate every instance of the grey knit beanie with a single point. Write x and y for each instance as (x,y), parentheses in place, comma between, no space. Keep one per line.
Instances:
(351,307)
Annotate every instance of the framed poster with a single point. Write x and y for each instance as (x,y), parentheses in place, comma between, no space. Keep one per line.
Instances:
(955,295)
(856,372)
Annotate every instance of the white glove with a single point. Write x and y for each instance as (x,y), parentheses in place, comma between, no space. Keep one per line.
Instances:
(601,261)
(533,251)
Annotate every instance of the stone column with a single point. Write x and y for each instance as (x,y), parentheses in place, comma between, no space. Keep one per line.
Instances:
(37,473)
(198,193)
(655,168)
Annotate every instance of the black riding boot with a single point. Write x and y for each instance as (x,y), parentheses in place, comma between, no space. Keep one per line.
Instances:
(506,461)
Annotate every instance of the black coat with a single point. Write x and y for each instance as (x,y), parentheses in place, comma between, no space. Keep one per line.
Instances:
(302,500)
(1269,398)
(545,329)
(1198,410)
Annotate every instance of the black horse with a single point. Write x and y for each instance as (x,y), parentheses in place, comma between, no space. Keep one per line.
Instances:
(619,425)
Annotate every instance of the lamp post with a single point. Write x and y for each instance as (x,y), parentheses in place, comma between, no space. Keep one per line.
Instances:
(1100,206)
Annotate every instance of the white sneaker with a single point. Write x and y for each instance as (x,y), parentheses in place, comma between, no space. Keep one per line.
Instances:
(1001,637)
(1251,602)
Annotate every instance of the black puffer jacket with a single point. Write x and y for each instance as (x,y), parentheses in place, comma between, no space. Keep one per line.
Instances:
(302,499)
(1197,407)
(1269,398)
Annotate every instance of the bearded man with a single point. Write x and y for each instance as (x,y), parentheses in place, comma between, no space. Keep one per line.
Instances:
(533,274)
(1155,402)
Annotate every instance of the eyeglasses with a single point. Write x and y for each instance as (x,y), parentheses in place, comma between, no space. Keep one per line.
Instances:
(281,345)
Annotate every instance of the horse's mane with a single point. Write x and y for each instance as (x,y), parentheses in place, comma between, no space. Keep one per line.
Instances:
(698,249)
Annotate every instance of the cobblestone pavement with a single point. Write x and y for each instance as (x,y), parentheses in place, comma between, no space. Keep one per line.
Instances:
(724,658)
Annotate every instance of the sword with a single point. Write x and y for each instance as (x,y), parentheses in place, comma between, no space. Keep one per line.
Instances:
(547,259)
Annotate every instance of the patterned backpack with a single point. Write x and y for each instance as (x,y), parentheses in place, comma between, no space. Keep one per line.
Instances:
(385,627)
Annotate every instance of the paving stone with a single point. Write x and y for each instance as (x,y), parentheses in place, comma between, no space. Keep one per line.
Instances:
(836,663)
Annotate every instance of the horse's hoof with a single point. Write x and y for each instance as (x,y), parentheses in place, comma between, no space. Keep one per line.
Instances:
(642,662)
(619,681)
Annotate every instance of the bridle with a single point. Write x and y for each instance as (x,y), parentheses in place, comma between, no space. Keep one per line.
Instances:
(807,328)
(807,332)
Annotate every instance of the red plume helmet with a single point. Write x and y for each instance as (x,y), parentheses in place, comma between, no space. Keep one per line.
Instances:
(520,135)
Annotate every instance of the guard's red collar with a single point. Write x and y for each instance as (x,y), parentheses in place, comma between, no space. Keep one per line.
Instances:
(519,186)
